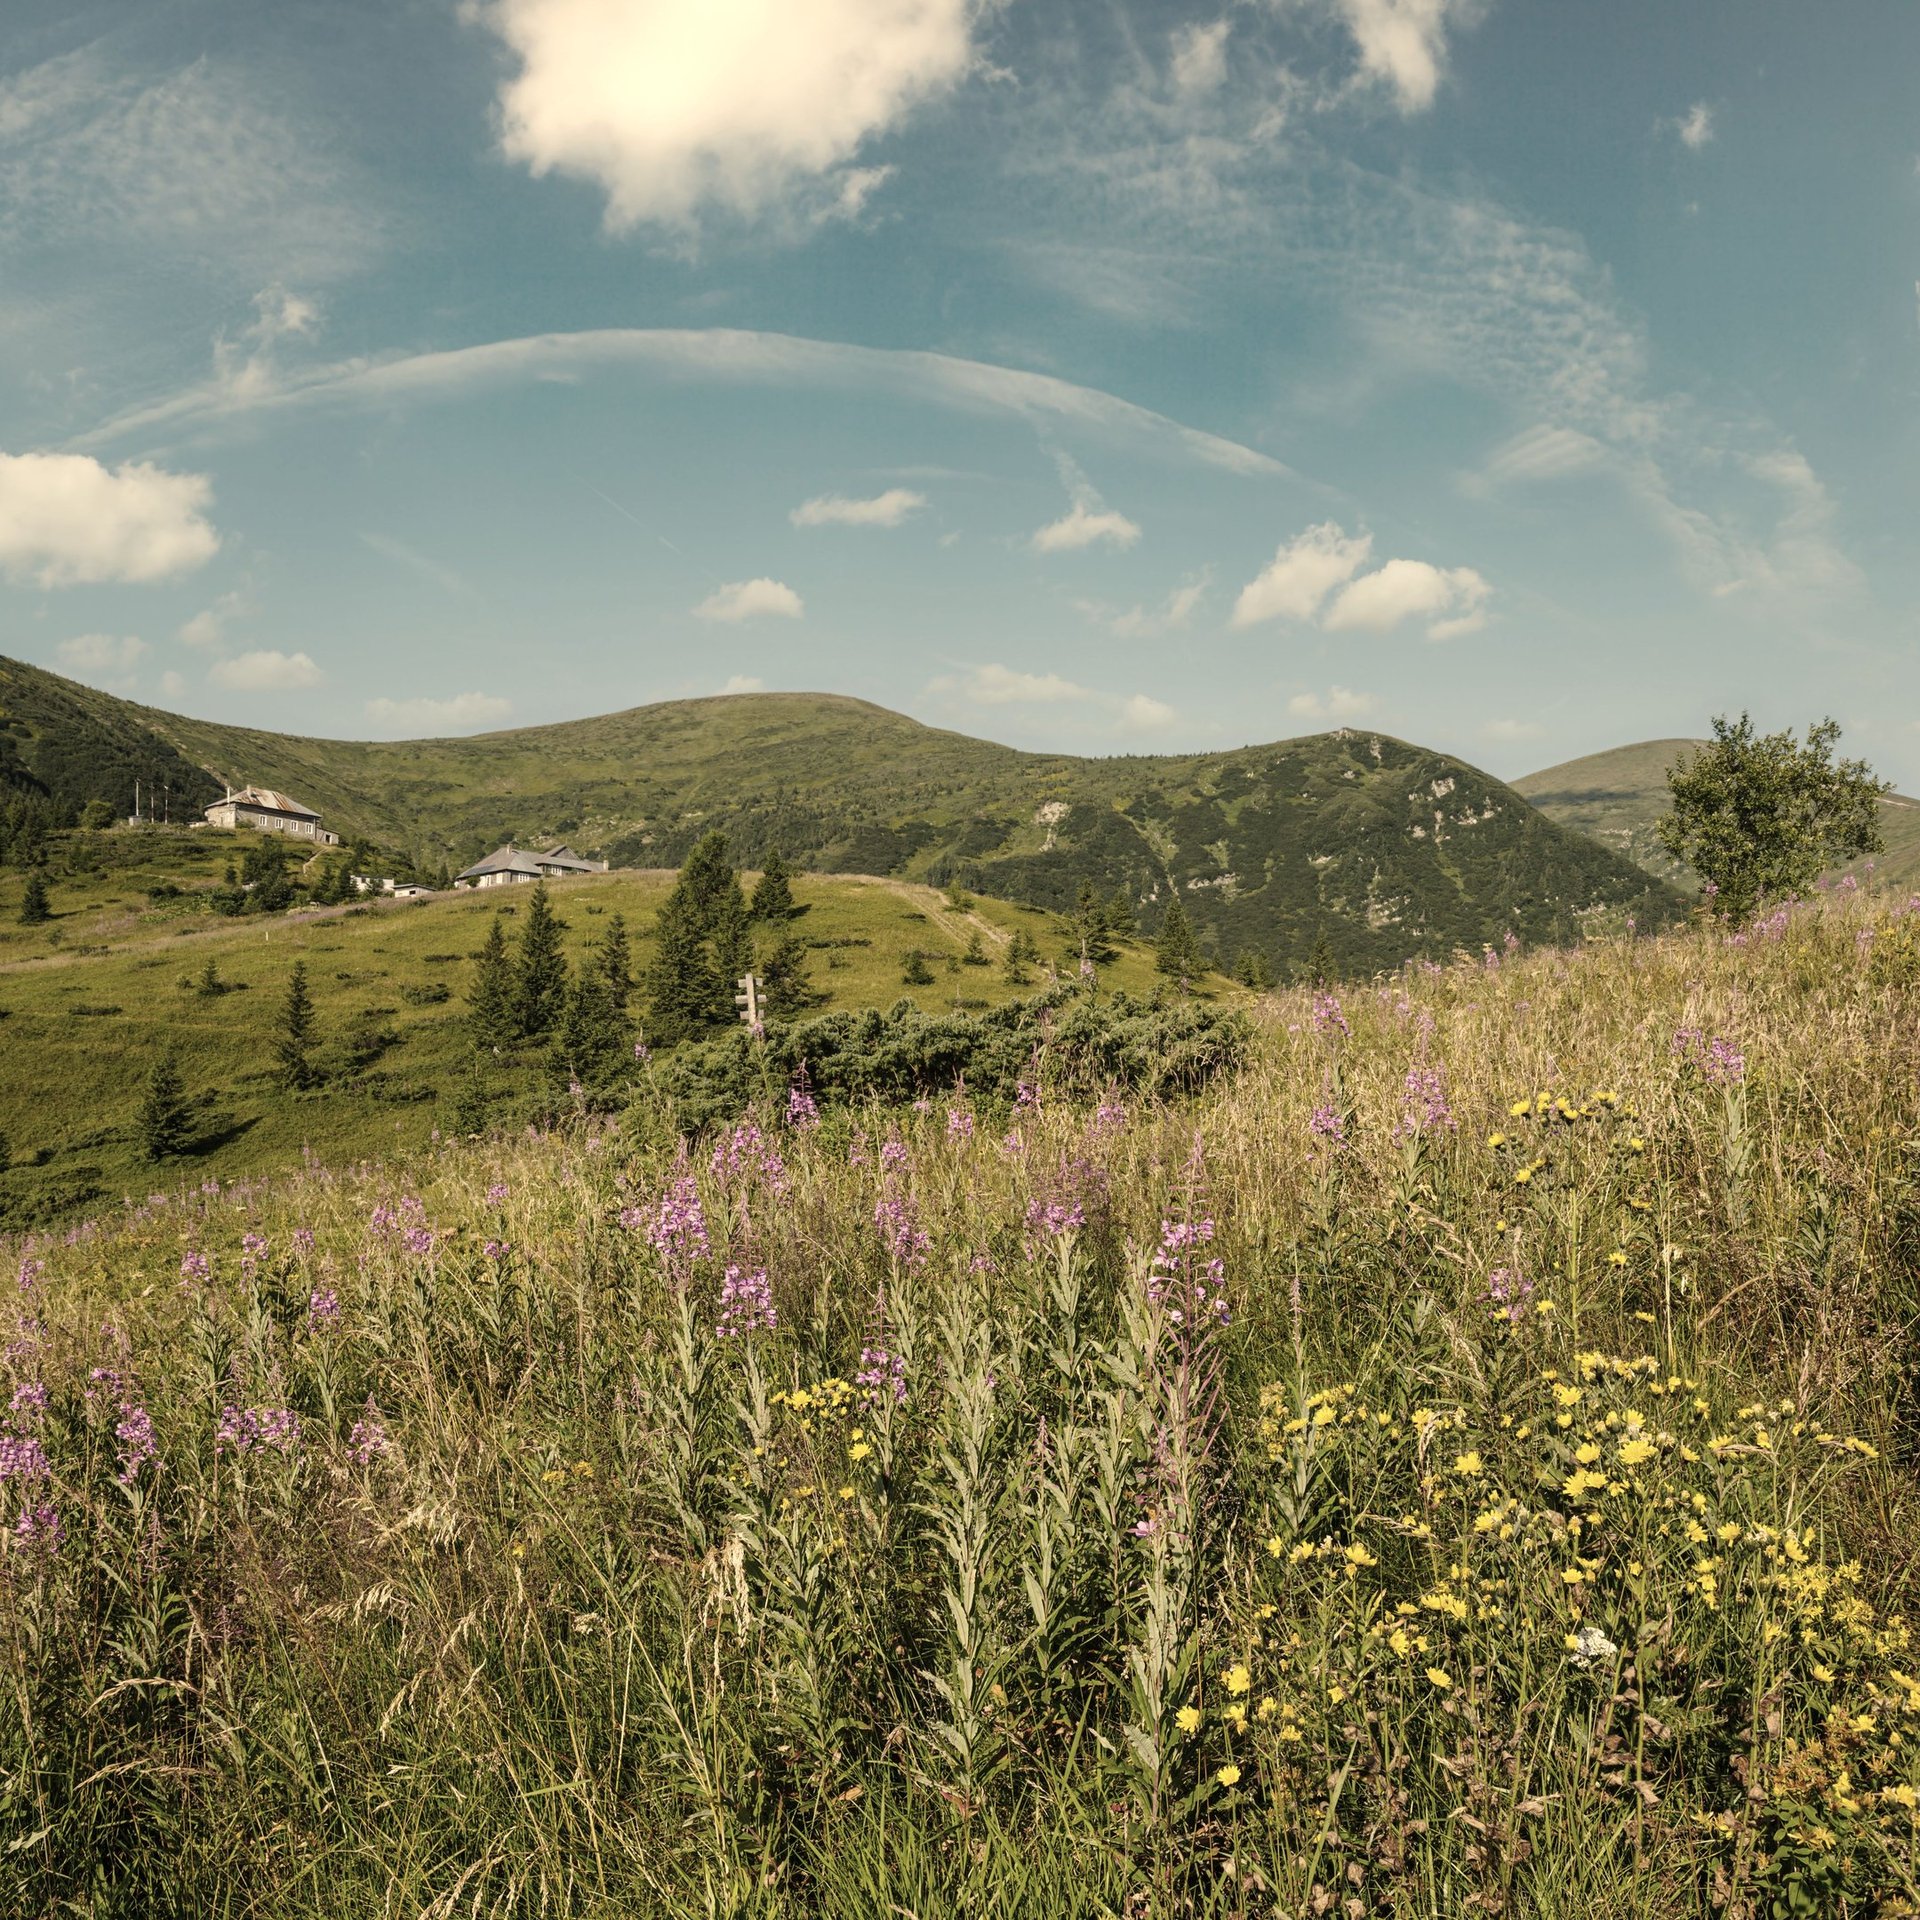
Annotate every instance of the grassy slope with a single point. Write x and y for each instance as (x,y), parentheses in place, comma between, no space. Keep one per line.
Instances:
(1388,848)
(92,999)
(592,1630)
(1616,797)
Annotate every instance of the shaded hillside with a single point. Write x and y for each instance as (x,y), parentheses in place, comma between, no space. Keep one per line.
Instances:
(1388,849)
(1618,796)
(67,744)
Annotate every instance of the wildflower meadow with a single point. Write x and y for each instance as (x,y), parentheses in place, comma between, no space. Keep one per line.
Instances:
(1460,1461)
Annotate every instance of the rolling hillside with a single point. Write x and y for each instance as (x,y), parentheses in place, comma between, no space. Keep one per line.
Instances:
(90,1000)
(1616,797)
(1388,849)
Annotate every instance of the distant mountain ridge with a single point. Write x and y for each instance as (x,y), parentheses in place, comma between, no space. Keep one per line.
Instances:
(1389,850)
(1617,798)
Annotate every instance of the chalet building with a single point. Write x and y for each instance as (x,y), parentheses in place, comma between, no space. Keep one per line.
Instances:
(509,864)
(269,812)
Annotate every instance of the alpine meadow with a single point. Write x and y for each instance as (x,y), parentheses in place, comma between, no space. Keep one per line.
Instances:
(959,960)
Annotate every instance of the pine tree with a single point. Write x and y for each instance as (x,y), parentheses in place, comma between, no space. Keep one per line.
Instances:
(1092,940)
(594,1036)
(1122,924)
(614,957)
(683,985)
(709,881)
(1177,952)
(1023,955)
(976,953)
(165,1121)
(1251,969)
(1322,969)
(292,1047)
(540,969)
(490,1002)
(35,908)
(732,938)
(785,988)
(472,1097)
(773,897)
(917,973)
(210,986)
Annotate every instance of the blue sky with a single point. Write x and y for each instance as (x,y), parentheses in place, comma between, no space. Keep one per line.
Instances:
(1519,376)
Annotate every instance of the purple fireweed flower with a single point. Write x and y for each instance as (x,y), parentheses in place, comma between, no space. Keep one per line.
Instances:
(677,1227)
(32,1272)
(747,1151)
(196,1267)
(1723,1063)
(418,1240)
(1185,1279)
(983,1263)
(137,1444)
(1055,1217)
(303,1239)
(1013,1143)
(253,1247)
(1110,1116)
(1026,1094)
(1327,1017)
(803,1110)
(1425,1101)
(1508,1292)
(368,1440)
(499,1249)
(38,1531)
(1328,1123)
(881,1373)
(323,1307)
(29,1400)
(497,1193)
(923,1105)
(746,1303)
(959,1124)
(900,1232)
(22,1458)
(893,1154)
(269,1429)
(642,1052)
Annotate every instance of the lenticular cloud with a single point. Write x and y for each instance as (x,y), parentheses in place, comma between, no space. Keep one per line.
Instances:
(674,105)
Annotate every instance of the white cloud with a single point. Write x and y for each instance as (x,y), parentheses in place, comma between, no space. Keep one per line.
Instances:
(744,683)
(1200,59)
(1695,126)
(1146,623)
(1085,525)
(746,599)
(996,685)
(1337,703)
(265,670)
(1513,730)
(173,686)
(1541,453)
(65,520)
(836,510)
(459,713)
(1453,598)
(1403,43)
(208,627)
(101,656)
(671,106)
(1301,575)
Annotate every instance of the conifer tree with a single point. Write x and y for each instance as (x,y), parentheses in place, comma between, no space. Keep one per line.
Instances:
(540,970)
(1122,923)
(732,939)
(165,1120)
(683,985)
(490,1000)
(773,896)
(785,988)
(292,1048)
(35,909)
(1092,939)
(472,1097)
(1251,969)
(1023,955)
(1322,969)
(917,973)
(594,1037)
(614,957)
(1177,952)
(709,881)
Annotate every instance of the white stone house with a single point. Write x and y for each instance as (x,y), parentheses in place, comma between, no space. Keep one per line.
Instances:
(508,865)
(269,812)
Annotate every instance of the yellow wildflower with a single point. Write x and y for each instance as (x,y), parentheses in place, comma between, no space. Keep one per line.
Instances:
(1188,1719)
(1438,1676)
(1237,1678)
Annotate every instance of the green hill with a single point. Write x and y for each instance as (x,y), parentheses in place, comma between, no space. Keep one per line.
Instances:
(1616,798)
(90,1000)
(1388,849)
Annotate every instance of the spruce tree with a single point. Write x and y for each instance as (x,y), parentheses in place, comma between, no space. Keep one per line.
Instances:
(683,986)
(709,881)
(35,909)
(1092,938)
(165,1120)
(1322,969)
(1251,969)
(916,972)
(540,970)
(1177,952)
(594,1037)
(1023,955)
(773,897)
(614,957)
(490,1001)
(472,1097)
(1122,923)
(292,1048)
(732,936)
(785,989)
